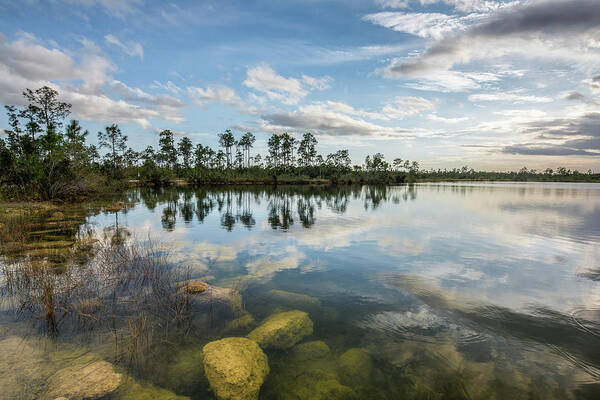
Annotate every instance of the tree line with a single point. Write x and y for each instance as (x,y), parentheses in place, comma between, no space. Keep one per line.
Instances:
(44,157)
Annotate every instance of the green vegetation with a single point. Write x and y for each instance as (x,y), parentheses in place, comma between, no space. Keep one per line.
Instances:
(41,158)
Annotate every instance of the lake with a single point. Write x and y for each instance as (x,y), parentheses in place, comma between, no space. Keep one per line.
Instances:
(427,291)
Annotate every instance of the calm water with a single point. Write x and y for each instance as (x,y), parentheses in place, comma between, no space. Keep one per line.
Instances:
(470,290)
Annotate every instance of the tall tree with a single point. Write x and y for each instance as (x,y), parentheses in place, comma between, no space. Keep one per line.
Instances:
(185,148)
(274,145)
(167,152)
(287,149)
(113,139)
(247,142)
(307,150)
(227,141)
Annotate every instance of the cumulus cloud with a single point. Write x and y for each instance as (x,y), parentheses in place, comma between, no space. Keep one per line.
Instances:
(276,87)
(85,82)
(130,48)
(285,90)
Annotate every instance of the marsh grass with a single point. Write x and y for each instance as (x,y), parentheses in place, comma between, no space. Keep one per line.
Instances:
(128,293)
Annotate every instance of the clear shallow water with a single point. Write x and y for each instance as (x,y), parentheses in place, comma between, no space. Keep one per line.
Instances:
(470,290)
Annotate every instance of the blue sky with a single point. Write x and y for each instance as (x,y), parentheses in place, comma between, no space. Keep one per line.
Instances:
(490,83)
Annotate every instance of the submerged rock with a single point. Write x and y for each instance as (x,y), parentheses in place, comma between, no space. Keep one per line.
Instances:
(146,391)
(293,300)
(282,330)
(311,350)
(95,380)
(185,371)
(316,385)
(307,372)
(195,287)
(215,295)
(241,324)
(235,367)
(355,366)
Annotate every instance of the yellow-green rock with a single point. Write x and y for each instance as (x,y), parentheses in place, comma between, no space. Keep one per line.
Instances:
(355,366)
(282,330)
(310,350)
(235,367)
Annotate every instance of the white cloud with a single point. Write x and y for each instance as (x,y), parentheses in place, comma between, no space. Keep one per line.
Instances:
(437,118)
(130,48)
(139,96)
(407,106)
(425,25)
(214,94)
(334,120)
(509,97)
(317,83)
(276,87)
(460,5)
(26,63)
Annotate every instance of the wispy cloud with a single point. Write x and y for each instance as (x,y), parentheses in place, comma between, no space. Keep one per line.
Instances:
(130,47)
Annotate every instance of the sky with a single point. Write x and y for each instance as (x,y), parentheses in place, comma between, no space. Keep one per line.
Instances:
(493,84)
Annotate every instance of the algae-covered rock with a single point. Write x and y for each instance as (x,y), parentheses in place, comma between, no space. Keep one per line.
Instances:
(355,366)
(146,391)
(241,324)
(185,371)
(282,330)
(310,350)
(297,378)
(95,380)
(316,385)
(235,367)
(293,300)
